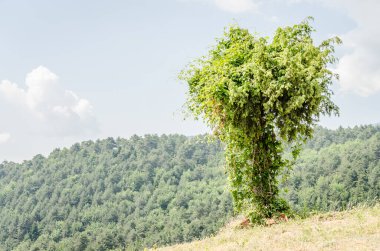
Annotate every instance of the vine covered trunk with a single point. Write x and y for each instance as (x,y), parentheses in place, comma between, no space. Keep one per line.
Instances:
(259,95)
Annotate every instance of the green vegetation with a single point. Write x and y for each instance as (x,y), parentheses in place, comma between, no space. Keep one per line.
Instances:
(259,97)
(117,193)
(337,169)
(114,194)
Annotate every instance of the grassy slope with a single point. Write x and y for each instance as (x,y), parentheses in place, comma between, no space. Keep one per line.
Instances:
(357,229)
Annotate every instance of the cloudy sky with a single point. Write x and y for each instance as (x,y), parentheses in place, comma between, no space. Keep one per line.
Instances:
(79,70)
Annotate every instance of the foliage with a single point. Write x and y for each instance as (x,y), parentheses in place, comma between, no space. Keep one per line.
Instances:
(114,194)
(259,96)
(337,176)
(129,194)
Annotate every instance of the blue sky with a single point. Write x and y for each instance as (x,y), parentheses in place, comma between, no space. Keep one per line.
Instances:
(78,70)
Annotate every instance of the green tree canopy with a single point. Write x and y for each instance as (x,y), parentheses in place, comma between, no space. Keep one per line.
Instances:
(259,95)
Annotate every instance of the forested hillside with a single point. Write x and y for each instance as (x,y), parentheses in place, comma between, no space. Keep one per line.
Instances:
(151,190)
(114,193)
(336,169)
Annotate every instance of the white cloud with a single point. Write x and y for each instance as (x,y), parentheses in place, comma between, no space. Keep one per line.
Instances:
(4,137)
(52,109)
(359,67)
(12,92)
(236,6)
(359,70)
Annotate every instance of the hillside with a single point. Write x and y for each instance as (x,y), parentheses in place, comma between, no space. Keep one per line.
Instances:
(114,193)
(151,190)
(357,229)
(336,169)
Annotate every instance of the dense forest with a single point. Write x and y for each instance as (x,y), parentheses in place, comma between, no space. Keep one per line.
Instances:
(158,190)
(337,169)
(114,193)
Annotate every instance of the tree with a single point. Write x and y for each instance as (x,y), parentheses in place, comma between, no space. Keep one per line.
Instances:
(260,96)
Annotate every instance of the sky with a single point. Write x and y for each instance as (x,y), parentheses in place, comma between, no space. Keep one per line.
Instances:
(78,70)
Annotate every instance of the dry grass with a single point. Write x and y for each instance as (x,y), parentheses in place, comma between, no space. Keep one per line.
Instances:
(357,229)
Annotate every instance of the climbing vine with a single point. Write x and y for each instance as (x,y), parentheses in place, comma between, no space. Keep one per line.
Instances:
(260,96)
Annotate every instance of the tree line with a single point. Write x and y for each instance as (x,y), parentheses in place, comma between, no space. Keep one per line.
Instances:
(140,192)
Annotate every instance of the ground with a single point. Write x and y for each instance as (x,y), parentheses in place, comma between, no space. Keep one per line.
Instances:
(355,229)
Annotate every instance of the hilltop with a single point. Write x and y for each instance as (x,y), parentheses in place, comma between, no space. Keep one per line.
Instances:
(355,229)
